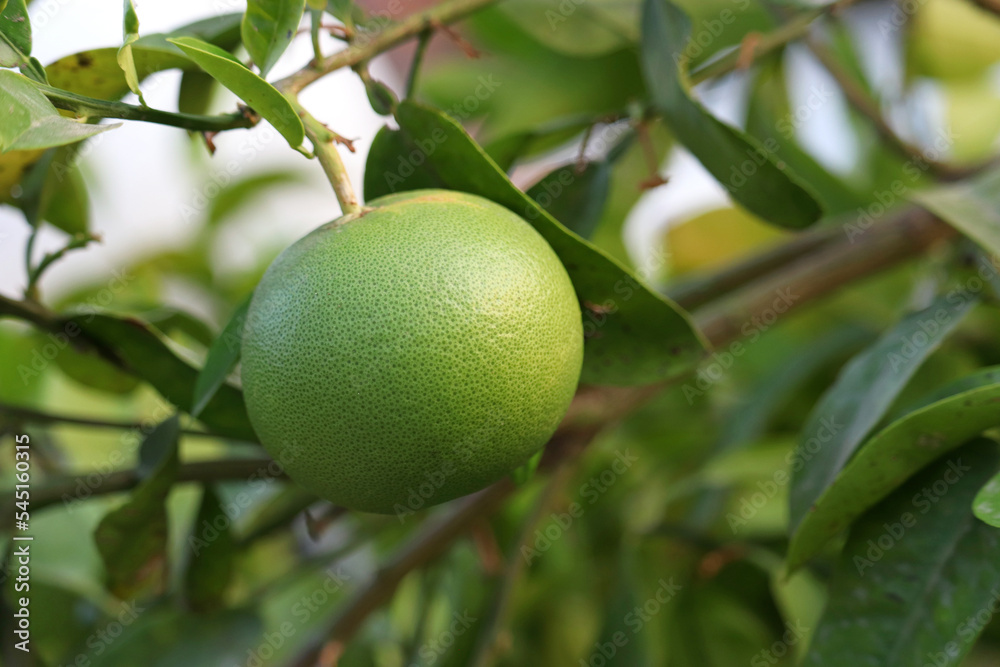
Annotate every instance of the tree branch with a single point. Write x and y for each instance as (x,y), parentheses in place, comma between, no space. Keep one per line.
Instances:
(365,46)
(37,417)
(79,487)
(739,58)
(96,108)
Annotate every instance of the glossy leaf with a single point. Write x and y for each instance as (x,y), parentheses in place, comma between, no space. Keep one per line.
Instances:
(986,505)
(261,96)
(861,396)
(221,359)
(633,335)
(144,352)
(890,458)
(748,170)
(972,207)
(125,58)
(917,571)
(575,198)
(267,29)
(30,120)
(213,551)
(132,539)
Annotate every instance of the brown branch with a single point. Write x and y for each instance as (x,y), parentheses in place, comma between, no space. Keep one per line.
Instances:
(908,234)
(79,487)
(868,107)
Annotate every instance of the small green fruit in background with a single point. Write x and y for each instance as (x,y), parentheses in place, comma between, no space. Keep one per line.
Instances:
(412,354)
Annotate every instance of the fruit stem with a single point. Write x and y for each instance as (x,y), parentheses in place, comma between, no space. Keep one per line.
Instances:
(324,142)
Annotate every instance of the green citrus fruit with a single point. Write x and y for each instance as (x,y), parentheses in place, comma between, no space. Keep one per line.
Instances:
(413,353)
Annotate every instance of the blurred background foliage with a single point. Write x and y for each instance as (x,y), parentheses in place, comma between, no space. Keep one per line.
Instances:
(654,554)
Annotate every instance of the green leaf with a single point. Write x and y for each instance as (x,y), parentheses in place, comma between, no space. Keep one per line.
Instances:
(195,94)
(523,474)
(16,29)
(143,350)
(267,29)
(861,396)
(69,207)
(633,335)
(347,12)
(125,57)
(986,505)
(31,121)
(916,571)
(213,554)
(575,198)
(261,96)
(132,539)
(771,121)
(380,97)
(889,458)
(221,359)
(748,170)
(972,207)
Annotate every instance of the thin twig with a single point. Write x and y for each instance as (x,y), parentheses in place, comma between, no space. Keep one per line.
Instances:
(366,45)
(863,103)
(96,108)
(487,648)
(80,487)
(423,40)
(761,45)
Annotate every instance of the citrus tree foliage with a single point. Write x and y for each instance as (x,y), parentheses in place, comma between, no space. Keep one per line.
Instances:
(783,450)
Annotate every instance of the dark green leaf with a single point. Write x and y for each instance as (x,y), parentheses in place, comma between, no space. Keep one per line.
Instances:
(132,539)
(915,573)
(972,207)
(221,359)
(30,120)
(772,121)
(633,335)
(261,96)
(748,170)
(195,95)
(213,552)
(890,458)
(94,372)
(382,100)
(860,397)
(69,206)
(157,447)
(575,198)
(267,29)
(144,352)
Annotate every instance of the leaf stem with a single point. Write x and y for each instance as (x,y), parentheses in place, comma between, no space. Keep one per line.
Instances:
(96,108)
(418,58)
(323,140)
(80,240)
